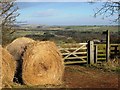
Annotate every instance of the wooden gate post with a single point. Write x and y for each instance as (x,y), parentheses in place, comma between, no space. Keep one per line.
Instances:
(107,46)
(90,50)
(95,54)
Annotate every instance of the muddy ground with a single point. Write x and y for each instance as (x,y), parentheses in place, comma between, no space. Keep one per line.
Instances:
(77,76)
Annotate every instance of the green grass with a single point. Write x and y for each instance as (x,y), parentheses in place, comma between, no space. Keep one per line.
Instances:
(110,66)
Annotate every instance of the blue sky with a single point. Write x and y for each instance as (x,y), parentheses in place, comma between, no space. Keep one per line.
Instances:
(60,13)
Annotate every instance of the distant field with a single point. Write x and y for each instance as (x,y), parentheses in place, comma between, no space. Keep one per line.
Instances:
(70,34)
(93,28)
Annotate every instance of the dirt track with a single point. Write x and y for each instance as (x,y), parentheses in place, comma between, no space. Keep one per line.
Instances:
(82,77)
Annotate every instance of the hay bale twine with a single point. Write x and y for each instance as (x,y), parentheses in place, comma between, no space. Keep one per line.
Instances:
(42,64)
(17,47)
(8,67)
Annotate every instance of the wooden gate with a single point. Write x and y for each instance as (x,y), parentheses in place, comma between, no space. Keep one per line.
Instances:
(86,53)
(74,53)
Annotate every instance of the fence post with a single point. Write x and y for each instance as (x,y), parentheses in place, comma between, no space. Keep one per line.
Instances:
(90,52)
(107,45)
(95,54)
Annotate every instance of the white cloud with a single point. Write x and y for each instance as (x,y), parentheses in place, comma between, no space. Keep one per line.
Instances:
(46,13)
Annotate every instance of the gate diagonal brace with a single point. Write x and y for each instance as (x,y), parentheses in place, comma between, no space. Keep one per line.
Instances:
(74,52)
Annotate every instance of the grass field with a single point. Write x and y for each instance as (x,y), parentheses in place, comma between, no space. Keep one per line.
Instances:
(70,34)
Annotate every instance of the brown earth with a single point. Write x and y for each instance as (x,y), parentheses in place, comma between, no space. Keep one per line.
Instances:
(83,77)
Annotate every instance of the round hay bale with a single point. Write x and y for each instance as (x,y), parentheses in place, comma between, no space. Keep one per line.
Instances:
(42,64)
(17,47)
(8,67)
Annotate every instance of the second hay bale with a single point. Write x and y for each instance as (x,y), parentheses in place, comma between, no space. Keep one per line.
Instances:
(17,47)
(42,64)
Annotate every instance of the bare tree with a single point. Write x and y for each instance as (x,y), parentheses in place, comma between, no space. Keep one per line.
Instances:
(108,9)
(8,12)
